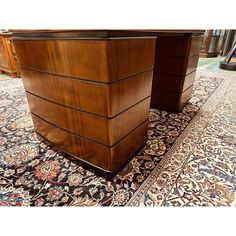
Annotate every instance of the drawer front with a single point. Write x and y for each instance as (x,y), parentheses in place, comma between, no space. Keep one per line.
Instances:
(176,65)
(101,156)
(92,60)
(178,46)
(175,83)
(89,151)
(171,65)
(99,129)
(167,82)
(172,46)
(101,99)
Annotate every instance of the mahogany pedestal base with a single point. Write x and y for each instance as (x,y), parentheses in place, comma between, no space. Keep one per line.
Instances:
(89,92)
(175,65)
(90,96)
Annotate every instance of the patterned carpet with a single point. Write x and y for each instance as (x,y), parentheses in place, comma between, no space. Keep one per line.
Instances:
(189,159)
(200,168)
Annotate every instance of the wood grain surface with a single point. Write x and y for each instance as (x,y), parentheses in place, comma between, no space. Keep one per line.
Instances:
(99,129)
(94,60)
(98,155)
(105,100)
(91,97)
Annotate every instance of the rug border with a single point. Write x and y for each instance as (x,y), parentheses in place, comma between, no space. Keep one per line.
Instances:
(206,108)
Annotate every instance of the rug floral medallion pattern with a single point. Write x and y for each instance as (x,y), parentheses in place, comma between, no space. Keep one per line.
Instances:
(34,173)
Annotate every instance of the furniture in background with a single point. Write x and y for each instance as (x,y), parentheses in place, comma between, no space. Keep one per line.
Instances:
(212,43)
(229,40)
(8,60)
(89,91)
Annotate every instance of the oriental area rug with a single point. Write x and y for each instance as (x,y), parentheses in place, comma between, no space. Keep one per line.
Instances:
(189,158)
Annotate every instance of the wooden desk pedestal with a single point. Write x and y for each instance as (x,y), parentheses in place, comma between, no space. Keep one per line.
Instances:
(90,96)
(89,91)
(176,60)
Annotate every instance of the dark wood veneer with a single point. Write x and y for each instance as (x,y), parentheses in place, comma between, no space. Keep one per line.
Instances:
(100,129)
(95,60)
(89,91)
(102,99)
(90,96)
(175,66)
(175,83)
(101,156)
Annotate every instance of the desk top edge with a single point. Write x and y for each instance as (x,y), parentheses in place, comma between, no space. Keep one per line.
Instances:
(98,34)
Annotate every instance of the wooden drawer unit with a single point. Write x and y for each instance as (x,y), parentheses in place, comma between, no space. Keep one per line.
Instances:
(89,96)
(176,61)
